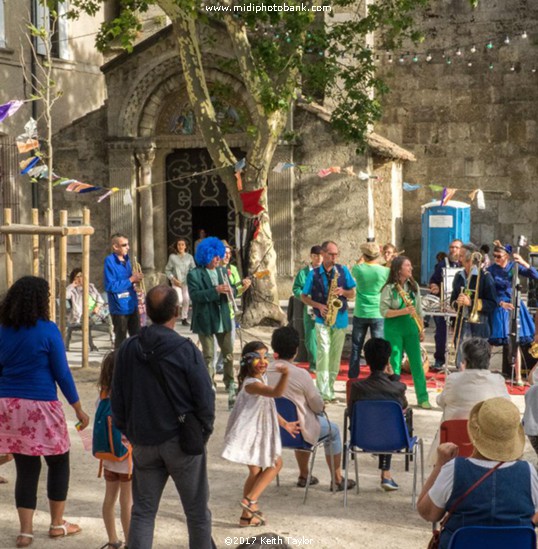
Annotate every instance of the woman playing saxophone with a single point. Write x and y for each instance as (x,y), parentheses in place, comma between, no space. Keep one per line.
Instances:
(403,327)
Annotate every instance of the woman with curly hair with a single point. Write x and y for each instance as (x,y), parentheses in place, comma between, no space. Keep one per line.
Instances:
(32,422)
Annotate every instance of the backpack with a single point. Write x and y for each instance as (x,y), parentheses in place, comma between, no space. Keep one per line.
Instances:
(107,441)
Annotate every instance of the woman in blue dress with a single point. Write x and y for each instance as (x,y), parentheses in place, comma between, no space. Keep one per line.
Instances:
(502,271)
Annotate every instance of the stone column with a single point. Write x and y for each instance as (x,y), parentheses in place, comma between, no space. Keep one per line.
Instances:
(123,204)
(145,157)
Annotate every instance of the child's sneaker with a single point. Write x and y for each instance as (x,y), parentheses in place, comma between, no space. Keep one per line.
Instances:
(389,485)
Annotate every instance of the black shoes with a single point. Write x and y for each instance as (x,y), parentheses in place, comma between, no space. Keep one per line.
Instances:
(185,322)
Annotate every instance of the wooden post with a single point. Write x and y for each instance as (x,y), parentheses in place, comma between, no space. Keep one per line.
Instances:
(85,290)
(63,273)
(35,243)
(51,266)
(9,249)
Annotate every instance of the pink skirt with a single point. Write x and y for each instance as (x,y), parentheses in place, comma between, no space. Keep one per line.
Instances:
(32,427)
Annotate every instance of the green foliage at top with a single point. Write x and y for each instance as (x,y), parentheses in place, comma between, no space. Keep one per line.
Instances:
(302,51)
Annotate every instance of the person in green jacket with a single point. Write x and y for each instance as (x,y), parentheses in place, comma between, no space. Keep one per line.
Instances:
(211,294)
(308,318)
(241,286)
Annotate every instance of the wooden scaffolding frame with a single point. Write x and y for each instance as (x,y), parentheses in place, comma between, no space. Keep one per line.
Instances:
(60,232)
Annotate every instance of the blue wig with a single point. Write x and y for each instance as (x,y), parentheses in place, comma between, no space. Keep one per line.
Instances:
(209,248)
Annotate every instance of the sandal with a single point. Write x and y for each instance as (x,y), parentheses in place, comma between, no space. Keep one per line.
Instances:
(248,507)
(301,482)
(67,529)
(24,540)
(250,522)
(116,545)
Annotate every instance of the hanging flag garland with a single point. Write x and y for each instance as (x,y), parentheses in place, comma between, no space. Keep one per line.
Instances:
(251,201)
(10,108)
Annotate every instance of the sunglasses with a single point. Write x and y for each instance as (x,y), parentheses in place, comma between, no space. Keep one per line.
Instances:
(497,256)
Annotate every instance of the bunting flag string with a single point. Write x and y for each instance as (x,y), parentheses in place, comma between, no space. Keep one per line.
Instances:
(449,192)
(10,108)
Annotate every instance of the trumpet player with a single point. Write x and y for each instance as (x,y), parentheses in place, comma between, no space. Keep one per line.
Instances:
(327,289)
(403,326)
(502,272)
(119,281)
(474,305)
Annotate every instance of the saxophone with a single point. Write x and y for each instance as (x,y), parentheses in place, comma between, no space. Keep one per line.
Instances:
(409,303)
(334,304)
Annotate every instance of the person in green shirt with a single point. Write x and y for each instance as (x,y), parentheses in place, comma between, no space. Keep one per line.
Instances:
(370,277)
(308,319)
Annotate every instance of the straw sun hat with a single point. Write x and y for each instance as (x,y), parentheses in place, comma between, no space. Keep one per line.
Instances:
(495,429)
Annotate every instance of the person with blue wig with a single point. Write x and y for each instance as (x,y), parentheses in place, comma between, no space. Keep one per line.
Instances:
(211,292)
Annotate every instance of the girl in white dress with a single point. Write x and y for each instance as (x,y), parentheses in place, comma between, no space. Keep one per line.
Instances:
(252,435)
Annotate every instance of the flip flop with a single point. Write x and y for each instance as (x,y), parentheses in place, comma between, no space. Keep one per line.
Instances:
(24,540)
(67,528)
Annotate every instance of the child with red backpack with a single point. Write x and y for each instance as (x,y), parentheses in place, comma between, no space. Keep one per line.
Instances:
(114,451)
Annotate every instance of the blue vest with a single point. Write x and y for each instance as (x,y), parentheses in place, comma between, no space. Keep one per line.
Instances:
(503,499)
(320,291)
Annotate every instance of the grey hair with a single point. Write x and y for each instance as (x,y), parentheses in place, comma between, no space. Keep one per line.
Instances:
(469,249)
(476,353)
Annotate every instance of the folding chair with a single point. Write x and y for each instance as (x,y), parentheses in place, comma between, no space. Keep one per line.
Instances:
(493,537)
(379,427)
(349,382)
(287,409)
(455,430)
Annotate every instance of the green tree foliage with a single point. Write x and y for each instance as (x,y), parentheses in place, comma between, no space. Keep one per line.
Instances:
(302,50)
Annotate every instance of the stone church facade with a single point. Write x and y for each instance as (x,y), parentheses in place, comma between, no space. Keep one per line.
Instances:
(146,135)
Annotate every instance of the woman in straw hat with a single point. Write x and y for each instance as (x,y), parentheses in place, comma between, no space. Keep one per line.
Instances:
(507,492)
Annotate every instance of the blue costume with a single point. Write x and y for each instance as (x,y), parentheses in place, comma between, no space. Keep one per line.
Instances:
(500,330)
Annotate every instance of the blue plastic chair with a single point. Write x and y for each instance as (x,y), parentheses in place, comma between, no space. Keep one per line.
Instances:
(378,427)
(287,409)
(493,537)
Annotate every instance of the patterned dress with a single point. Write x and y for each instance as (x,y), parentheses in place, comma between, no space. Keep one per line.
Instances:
(500,330)
(252,434)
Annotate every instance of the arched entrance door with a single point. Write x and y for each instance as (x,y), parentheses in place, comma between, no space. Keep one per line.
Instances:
(198,202)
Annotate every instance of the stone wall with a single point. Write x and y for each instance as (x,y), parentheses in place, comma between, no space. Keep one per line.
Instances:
(81,153)
(468,125)
(334,207)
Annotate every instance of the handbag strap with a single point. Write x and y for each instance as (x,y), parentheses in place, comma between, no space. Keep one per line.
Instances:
(469,490)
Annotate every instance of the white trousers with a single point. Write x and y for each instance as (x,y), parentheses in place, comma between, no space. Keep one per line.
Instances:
(184,300)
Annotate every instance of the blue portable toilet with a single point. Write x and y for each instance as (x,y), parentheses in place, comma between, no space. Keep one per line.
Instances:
(440,226)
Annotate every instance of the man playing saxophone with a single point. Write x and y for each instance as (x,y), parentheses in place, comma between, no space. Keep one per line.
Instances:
(474,306)
(327,290)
